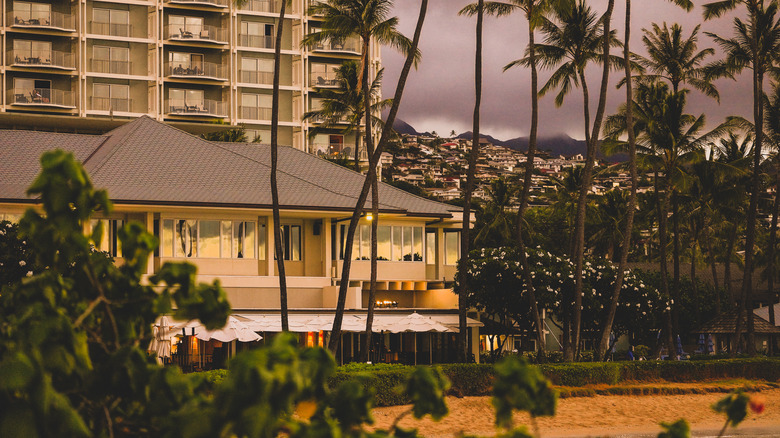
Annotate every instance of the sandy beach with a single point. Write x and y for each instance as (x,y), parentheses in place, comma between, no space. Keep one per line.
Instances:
(594,416)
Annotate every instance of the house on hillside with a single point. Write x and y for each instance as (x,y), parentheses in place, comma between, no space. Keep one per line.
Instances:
(210,204)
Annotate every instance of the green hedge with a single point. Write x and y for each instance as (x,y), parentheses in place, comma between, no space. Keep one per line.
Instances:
(476,379)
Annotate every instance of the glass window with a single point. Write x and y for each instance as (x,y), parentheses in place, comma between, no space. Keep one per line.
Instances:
(291,242)
(418,245)
(383,245)
(261,245)
(407,250)
(451,247)
(397,246)
(109,240)
(167,238)
(365,242)
(186,238)
(243,240)
(430,247)
(208,239)
(226,239)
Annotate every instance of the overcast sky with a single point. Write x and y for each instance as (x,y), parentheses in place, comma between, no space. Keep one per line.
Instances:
(440,94)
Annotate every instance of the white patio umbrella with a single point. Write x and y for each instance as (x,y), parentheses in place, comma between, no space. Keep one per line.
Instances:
(416,323)
(273,323)
(161,342)
(234,330)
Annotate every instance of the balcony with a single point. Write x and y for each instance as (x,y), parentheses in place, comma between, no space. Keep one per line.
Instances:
(255,77)
(256,41)
(254,113)
(207,34)
(203,70)
(50,97)
(324,79)
(352,45)
(41,20)
(41,59)
(214,3)
(312,3)
(260,6)
(111,104)
(112,29)
(204,108)
(98,65)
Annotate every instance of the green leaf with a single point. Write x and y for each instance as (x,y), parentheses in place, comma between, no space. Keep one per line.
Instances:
(17,372)
(734,406)
(678,429)
(426,387)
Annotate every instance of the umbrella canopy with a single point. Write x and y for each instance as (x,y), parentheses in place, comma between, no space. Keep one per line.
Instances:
(710,344)
(350,323)
(273,323)
(234,330)
(679,346)
(414,323)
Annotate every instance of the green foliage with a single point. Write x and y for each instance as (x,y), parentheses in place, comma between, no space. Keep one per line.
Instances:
(16,260)
(521,386)
(678,429)
(734,406)
(426,387)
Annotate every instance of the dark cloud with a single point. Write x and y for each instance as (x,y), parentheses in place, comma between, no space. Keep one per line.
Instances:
(440,94)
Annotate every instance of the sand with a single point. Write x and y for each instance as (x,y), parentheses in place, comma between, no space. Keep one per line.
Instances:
(593,416)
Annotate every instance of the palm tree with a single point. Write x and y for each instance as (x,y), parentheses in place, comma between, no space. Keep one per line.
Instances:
(754,46)
(367,19)
(574,45)
(534,11)
(607,223)
(773,129)
(470,177)
(603,346)
(495,219)
(346,103)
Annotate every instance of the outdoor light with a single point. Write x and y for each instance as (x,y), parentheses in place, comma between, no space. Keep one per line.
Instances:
(369,216)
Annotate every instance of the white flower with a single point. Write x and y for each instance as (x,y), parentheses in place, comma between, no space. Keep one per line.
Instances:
(29,273)
(22,263)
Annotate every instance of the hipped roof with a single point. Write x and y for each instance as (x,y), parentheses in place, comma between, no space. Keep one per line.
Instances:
(149,162)
(726,323)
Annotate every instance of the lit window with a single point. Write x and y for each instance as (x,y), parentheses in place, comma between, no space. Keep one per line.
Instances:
(451,247)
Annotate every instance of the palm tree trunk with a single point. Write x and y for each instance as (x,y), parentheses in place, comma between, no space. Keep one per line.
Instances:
(714,268)
(732,239)
(586,183)
(278,251)
(374,201)
(603,346)
(335,337)
(663,213)
(694,284)
(526,190)
(676,241)
(470,176)
(771,267)
(357,147)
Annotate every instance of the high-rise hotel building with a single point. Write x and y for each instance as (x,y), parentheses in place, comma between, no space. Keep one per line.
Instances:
(88,66)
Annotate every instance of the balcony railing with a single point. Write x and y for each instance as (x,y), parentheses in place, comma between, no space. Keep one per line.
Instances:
(41,58)
(260,6)
(324,79)
(351,45)
(255,113)
(215,3)
(205,33)
(257,41)
(112,104)
(206,107)
(112,29)
(256,77)
(311,3)
(203,70)
(111,66)
(50,20)
(41,97)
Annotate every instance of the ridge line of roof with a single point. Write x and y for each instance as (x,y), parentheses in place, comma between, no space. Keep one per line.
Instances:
(122,132)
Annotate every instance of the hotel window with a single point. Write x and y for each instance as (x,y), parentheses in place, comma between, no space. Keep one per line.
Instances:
(109,240)
(185,27)
(393,243)
(291,242)
(111,22)
(32,90)
(111,97)
(189,98)
(107,59)
(32,52)
(430,247)
(257,70)
(323,75)
(208,239)
(451,247)
(32,13)
(186,64)
(256,106)
(254,34)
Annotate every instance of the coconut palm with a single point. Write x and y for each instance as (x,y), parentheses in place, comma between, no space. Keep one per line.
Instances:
(477,9)
(369,20)
(574,44)
(495,218)
(773,136)
(345,103)
(754,46)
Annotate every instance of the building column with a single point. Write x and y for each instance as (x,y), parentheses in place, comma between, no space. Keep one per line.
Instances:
(327,239)
(149,221)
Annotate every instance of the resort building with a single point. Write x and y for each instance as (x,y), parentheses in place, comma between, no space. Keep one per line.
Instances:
(89,66)
(210,204)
